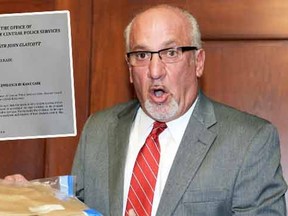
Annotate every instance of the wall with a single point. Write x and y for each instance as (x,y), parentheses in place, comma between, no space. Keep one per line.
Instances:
(246,47)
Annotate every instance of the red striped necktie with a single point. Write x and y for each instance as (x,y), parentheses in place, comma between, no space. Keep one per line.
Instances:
(143,180)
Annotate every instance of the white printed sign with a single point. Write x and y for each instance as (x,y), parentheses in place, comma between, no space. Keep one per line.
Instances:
(36,76)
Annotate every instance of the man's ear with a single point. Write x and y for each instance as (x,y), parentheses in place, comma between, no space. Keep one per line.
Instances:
(130,70)
(130,75)
(199,62)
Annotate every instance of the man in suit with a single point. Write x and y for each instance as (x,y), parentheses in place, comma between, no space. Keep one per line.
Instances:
(215,160)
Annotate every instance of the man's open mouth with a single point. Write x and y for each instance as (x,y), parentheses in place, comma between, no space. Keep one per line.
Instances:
(158,94)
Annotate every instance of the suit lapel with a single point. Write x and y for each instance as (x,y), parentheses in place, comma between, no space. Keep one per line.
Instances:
(118,142)
(194,146)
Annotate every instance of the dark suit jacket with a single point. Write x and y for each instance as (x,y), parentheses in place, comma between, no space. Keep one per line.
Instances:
(228,163)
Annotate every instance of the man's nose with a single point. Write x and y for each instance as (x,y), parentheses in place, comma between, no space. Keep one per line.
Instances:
(156,67)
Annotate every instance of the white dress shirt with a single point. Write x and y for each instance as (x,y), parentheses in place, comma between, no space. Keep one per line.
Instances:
(169,141)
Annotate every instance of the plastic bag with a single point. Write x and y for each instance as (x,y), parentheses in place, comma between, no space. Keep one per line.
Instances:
(64,185)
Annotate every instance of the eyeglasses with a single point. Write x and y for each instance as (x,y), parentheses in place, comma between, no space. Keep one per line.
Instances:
(167,55)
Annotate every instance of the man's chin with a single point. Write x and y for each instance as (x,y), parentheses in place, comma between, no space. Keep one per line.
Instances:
(161,112)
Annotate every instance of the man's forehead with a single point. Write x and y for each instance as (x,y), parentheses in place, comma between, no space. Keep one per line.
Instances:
(158,18)
(159,26)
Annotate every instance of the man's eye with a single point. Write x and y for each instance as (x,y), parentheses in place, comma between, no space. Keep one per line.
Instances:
(171,53)
(142,55)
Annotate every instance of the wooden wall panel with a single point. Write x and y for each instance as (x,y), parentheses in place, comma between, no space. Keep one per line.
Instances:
(249,19)
(20,6)
(22,156)
(110,82)
(246,43)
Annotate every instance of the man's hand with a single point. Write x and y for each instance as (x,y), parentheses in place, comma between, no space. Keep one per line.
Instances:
(15,178)
(131,212)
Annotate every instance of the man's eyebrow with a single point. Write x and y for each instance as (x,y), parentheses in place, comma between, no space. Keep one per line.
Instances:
(170,43)
(140,48)
(167,44)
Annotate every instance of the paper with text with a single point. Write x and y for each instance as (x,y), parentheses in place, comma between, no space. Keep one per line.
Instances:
(36,76)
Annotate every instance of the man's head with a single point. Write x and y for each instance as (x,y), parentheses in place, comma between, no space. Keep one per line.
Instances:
(166,83)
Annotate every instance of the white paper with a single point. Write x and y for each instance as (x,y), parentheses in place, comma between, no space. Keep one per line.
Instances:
(36,76)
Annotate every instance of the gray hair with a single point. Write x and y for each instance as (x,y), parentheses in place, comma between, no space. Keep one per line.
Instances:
(195,33)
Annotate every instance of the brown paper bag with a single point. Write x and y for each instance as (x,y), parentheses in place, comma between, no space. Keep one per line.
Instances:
(35,199)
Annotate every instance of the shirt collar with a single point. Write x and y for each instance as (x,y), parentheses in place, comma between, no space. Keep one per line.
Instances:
(178,126)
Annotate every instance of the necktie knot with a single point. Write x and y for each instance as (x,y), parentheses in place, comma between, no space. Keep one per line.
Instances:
(158,127)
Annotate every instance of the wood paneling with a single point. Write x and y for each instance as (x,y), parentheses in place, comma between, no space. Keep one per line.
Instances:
(246,47)
(249,19)
(22,156)
(20,6)
(226,19)
(110,83)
